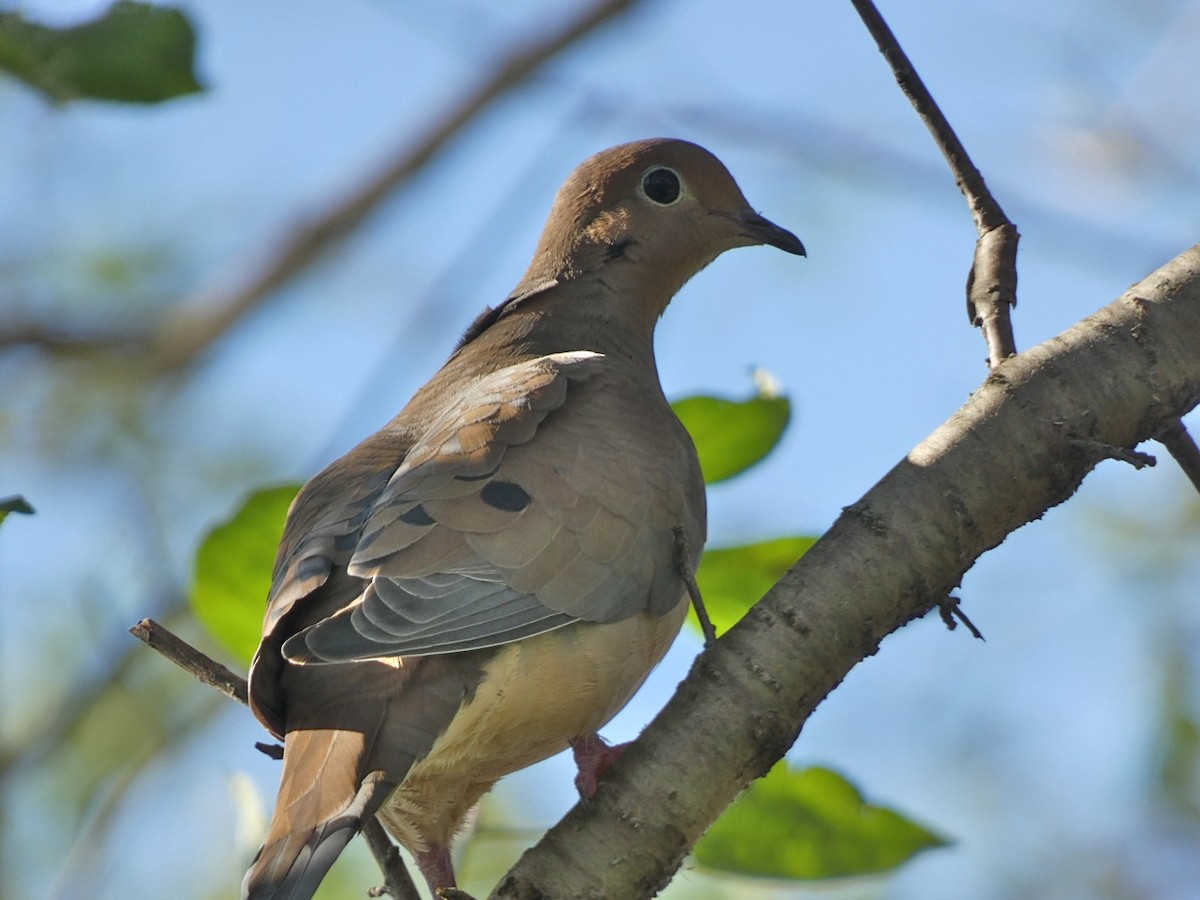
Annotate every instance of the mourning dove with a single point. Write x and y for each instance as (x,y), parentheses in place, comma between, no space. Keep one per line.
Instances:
(489,578)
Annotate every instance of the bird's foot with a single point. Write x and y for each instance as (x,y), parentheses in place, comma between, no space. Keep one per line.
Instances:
(594,757)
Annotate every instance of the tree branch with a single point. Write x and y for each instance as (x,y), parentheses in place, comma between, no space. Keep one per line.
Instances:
(209,312)
(203,668)
(397,881)
(1182,447)
(992,281)
(1116,379)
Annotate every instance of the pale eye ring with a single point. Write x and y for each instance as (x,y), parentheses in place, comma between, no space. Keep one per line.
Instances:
(662,185)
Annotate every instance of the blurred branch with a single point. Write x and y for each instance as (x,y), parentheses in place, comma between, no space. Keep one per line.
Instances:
(1182,447)
(208,313)
(397,881)
(67,341)
(992,280)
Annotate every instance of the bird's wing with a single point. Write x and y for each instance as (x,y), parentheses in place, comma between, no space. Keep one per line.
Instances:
(530,503)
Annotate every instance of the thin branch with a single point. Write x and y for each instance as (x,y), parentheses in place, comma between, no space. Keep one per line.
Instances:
(397,881)
(992,282)
(208,313)
(1182,447)
(951,611)
(203,668)
(67,341)
(1101,451)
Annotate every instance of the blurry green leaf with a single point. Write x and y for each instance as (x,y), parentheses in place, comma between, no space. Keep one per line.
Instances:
(732,579)
(809,824)
(14,504)
(733,435)
(111,737)
(1178,765)
(233,570)
(134,52)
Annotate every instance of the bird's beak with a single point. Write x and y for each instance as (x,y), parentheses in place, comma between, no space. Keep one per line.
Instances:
(763,231)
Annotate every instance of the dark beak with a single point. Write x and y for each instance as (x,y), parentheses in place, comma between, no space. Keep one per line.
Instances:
(764,231)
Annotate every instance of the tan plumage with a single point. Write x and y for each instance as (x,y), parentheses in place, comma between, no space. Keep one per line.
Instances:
(491,576)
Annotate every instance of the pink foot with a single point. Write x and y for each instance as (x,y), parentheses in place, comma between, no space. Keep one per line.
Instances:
(435,865)
(594,757)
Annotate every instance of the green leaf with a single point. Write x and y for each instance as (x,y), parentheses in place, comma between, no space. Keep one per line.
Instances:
(732,579)
(809,824)
(733,435)
(14,504)
(233,570)
(134,52)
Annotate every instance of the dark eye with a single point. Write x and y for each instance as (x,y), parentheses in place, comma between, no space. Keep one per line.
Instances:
(661,185)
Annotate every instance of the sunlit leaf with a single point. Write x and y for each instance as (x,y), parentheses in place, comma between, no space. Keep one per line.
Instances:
(732,579)
(733,435)
(233,570)
(809,824)
(14,504)
(134,52)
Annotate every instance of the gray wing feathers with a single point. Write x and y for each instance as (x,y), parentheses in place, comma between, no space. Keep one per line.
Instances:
(484,536)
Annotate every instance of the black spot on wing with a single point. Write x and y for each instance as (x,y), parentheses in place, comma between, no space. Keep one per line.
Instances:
(505,495)
(417,516)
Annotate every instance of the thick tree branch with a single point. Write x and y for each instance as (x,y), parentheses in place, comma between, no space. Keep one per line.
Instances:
(1115,379)
(207,314)
(992,281)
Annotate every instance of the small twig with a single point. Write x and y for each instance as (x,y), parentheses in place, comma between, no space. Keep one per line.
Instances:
(209,312)
(396,880)
(187,657)
(992,282)
(950,610)
(208,670)
(1182,447)
(275,751)
(693,589)
(1099,451)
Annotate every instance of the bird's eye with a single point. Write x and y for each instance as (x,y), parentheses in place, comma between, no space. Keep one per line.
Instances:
(661,185)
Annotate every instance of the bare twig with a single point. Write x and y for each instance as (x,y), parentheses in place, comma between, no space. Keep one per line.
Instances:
(1182,447)
(950,609)
(397,881)
(992,282)
(206,314)
(204,668)
(1098,451)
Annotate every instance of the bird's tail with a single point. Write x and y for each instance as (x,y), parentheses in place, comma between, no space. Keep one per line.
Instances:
(322,804)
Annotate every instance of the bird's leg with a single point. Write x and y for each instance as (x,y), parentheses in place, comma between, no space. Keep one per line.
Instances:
(594,756)
(434,863)
(693,589)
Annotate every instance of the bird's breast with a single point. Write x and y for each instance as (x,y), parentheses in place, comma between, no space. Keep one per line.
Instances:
(534,697)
